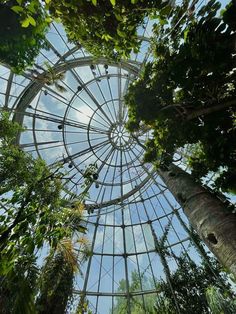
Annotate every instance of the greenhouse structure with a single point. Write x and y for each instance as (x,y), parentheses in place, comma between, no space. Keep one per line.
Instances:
(142,241)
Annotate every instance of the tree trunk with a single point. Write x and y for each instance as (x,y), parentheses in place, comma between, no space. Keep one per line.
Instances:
(207,214)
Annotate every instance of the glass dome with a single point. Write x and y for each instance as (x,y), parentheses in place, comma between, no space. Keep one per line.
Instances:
(78,118)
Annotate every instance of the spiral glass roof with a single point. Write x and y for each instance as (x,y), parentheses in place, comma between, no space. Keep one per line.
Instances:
(79,119)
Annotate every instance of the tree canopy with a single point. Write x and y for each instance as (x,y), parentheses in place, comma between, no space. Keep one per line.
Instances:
(195,288)
(187,94)
(103,27)
(189,283)
(22,34)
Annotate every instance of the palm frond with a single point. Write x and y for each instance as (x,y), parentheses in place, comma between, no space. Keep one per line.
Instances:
(66,248)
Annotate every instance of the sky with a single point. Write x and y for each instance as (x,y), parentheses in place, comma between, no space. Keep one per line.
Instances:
(92,120)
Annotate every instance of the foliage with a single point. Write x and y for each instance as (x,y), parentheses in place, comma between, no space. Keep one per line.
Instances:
(56,282)
(83,306)
(103,27)
(187,95)
(30,196)
(189,282)
(219,303)
(33,213)
(163,305)
(22,34)
(48,76)
(136,283)
(189,286)
(17,289)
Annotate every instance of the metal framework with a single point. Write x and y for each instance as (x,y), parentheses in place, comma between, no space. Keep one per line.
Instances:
(129,207)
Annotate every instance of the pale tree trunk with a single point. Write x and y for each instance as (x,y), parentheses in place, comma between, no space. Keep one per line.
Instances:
(206,213)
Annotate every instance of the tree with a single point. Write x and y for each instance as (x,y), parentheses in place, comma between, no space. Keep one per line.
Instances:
(22,34)
(32,209)
(137,283)
(210,217)
(189,284)
(18,286)
(103,27)
(188,98)
(187,95)
(56,282)
(33,213)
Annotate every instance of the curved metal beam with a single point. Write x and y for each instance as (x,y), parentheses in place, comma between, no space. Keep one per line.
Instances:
(31,91)
(91,207)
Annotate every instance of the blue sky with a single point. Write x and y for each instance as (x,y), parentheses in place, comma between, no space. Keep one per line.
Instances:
(91,120)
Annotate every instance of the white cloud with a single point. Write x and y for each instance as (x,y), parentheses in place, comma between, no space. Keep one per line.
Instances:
(84,114)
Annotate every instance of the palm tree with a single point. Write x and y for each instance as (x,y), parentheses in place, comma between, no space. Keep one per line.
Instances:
(56,282)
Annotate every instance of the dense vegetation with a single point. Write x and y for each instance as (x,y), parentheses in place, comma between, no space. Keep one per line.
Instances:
(195,290)
(103,27)
(187,94)
(34,215)
(22,34)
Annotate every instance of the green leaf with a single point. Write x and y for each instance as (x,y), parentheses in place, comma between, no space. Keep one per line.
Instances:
(31,7)
(166,10)
(118,17)
(17,9)
(32,21)
(120,33)
(134,1)
(97,34)
(48,19)
(107,37)
(94,2)
(25,23)
(81,229)
(186,34)
(113,2)
(163,21)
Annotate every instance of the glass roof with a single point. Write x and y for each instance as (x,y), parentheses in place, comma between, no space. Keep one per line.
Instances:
(129,208)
